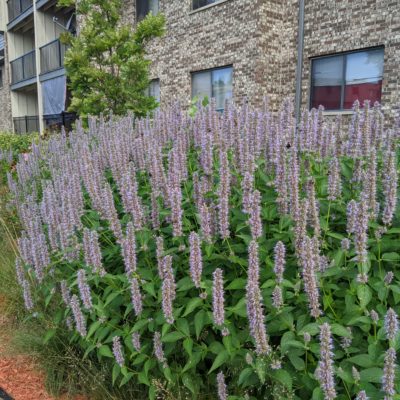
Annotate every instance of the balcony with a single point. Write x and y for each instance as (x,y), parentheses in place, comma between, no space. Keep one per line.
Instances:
(52,56)
(23,68)
(18,10)
(26,124)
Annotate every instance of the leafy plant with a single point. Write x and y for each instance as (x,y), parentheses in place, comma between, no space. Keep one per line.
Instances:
(105,64)
(221,254)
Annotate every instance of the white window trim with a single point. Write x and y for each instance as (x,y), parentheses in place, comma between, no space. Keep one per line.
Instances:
(217,3)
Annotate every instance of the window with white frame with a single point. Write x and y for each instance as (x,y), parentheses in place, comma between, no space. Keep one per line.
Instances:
(337,81)
(213,83)
(144,7)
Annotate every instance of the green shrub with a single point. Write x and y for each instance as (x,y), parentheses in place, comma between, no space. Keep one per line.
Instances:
(236,249)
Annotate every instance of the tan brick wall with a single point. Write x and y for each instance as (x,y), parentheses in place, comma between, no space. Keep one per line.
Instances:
(337,26)
(5,97)
(230,33)
(259,38)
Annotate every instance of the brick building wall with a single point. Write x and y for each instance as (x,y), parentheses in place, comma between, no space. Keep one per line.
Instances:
(337,26)
(5,96)
(232,32)
(259,38)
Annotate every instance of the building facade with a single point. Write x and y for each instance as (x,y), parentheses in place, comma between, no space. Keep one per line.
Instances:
(227,49)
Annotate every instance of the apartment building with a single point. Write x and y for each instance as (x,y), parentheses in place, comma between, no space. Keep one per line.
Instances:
(321,52)
(34,92)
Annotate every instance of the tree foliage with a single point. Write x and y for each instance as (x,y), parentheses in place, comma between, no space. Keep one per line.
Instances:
(106,62)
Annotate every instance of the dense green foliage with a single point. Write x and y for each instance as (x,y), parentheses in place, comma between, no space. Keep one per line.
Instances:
(105,64)
(195,348)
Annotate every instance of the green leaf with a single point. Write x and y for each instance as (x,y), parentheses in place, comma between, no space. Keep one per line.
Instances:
(183,326)
(372,375)
(192,305)
(363,360)
(126,379)
(110,298)
(236,284)
(284,378)
(391,257)
(244,375)
(219,360)
(340,330)
(312,329)
(93,328)
(364,295)
(172,337)
(199,322)
(49,334)
(115,372)
(139,325)
(105,351)
(188,345)
(188,381)
(296,361)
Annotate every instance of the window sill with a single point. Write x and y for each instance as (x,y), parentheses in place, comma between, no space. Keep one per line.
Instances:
(338,112)
(217,3)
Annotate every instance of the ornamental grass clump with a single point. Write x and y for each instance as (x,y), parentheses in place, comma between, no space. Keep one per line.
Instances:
(220,255)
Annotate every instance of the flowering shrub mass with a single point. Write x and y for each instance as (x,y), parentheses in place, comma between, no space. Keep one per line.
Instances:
(221,255)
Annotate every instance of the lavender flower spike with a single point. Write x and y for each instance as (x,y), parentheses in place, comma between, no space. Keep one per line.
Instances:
(255,312)
(136,341)
(195,259)
(325,370)
(27,295)
(362,395)
(279,256)
(218,298)
(158,350)
(84,290)
(136,296)
(168,289)
(389,373)
(222,392)
(80,321)
(117,351)
(391,324)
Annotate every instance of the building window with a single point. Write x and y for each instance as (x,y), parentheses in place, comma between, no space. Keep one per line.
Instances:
(203,3)
(339,80)
(154,89)
(215,83)
(144,7)
(1,77)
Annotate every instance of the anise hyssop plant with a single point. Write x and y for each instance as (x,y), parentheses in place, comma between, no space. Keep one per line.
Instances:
(221,255)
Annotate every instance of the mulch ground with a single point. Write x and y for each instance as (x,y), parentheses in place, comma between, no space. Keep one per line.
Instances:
(19,376)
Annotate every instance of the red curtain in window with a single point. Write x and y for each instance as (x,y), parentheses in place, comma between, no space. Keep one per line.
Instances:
(327,96)
(363,91)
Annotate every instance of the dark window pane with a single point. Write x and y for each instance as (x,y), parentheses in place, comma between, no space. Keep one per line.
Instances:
(154,89)
(327,82)
(202,3)
(143,7)
(364,72)
(222,86)
(201,84)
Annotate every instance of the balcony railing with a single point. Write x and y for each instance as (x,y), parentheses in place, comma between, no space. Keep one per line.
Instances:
(17,7)
(52,56)
(54,122)
(23,67)
(26,124)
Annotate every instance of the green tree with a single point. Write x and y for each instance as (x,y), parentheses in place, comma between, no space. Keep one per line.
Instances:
(106,62)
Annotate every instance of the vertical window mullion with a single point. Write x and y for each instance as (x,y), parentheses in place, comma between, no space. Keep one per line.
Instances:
(211,85)
(343,82)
